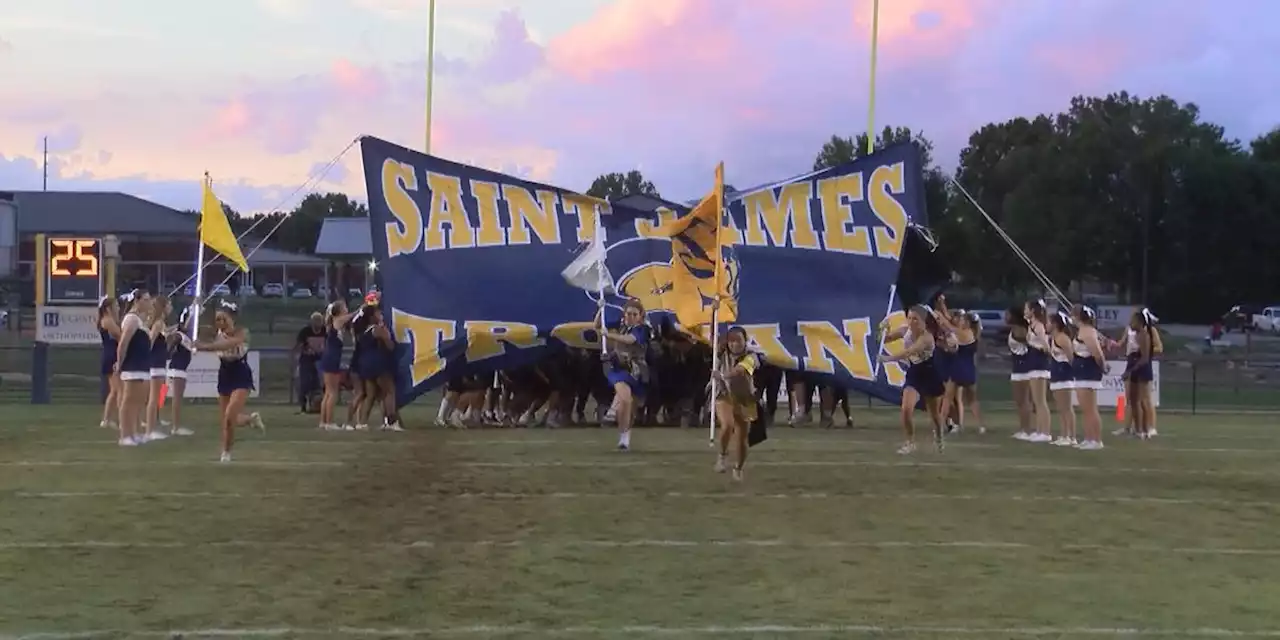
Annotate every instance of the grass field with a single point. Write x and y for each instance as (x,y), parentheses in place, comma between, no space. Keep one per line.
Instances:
(536,533)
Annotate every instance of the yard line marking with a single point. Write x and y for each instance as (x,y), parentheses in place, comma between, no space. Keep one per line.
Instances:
(570,442)
(676,495)
(962,465)
(164,494)
(175,463)
(642,543)
(808,495)
(655,630)
(959,465)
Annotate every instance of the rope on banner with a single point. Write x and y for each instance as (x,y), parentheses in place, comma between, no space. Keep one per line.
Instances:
(312,180)
(1022,255)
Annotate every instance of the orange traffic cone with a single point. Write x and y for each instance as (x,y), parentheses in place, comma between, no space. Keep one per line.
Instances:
(1119,408)
(164,391)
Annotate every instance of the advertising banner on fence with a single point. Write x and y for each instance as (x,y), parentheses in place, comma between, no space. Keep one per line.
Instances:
(1113,383)
(1114,316)
(67,325)
(202,375)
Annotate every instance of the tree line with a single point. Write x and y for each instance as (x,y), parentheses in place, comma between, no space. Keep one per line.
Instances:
(1134,197)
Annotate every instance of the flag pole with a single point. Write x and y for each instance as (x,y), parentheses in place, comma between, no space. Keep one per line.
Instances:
(431,68)
(599,237)
(718,265)
(871,94)
(893,292)
(195,302)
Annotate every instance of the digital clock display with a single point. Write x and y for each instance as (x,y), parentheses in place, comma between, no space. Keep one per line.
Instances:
(74,270)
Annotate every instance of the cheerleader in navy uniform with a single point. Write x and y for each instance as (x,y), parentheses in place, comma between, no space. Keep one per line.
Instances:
(1138,369)
(626,368)
(919,338)
(133,365)
(235,377)
(355,326)
(1062,378)
(335,322)
(1087,366)
(944,352)
(109,333)
(180,345)
(962,370)
(159,368)
(377,369)
(1038,361)
(1020,378)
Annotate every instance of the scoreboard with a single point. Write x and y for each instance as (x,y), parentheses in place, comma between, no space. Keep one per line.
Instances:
(73,270)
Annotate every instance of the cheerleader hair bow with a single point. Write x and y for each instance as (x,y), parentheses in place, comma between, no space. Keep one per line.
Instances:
(127,296)
(1064,318)
(1088,312)
(1151,317)
(229,306)
(103,300)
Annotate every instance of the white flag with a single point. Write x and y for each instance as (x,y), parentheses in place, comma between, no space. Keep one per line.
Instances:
(588,271)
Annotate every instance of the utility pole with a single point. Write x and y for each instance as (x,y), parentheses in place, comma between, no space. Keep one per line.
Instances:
(45,183)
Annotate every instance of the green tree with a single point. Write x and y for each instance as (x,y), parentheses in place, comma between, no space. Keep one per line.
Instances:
(1135,193)
(843,149)
(612,186)
(1266,147)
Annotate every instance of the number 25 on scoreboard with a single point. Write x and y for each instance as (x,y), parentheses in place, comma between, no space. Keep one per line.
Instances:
(82,252)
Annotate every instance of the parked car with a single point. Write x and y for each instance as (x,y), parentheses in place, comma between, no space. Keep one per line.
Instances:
(1239,318)
(273,290)
(1266,319)
(993,325)
(301,293)
(219,290)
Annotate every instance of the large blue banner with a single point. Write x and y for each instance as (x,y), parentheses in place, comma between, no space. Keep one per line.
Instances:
(471,261)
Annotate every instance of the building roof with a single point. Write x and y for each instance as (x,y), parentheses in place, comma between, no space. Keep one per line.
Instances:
(101,213)
(344,237)
(98,212)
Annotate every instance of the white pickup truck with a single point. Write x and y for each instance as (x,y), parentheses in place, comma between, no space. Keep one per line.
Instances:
(1268,319)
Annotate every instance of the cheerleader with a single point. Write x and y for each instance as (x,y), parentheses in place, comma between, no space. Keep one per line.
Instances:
(943,354)
(235,377)
(736,406)
(356,325)
(133,365)
(962,370)
(109,333)
(377,369)
(335,322)
(1138,370)
(1062,376)
(626,368)
(180,345)
(919,338)
(1020,378)
(159,361)
(1087,367)
(1036,314)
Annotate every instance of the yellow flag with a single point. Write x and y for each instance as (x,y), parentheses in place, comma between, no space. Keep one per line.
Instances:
(215,231)
(703,267)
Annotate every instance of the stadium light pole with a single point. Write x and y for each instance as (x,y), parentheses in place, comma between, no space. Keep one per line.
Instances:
(431,68)
(871,94)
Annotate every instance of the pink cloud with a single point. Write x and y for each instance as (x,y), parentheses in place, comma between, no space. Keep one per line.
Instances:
(676,85)
(355,81)
(232,119)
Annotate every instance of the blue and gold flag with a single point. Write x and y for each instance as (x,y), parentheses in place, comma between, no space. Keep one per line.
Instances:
(703,266)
